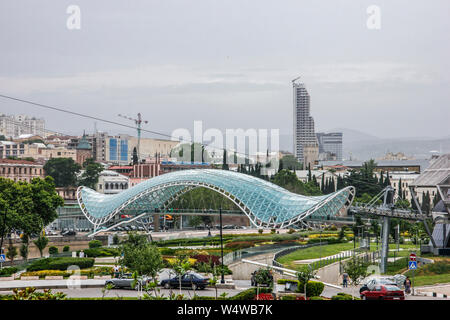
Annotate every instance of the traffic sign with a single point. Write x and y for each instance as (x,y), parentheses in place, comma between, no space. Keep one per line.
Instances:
(2,258)
(412,257)
(412,265)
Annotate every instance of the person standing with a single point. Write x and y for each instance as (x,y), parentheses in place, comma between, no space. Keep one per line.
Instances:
(345,279)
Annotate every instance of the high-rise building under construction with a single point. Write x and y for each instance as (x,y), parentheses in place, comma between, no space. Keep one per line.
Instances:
(305,140)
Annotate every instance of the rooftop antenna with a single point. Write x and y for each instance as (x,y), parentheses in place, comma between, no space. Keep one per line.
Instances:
(138,121)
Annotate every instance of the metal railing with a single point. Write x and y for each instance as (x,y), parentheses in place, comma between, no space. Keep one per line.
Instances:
(253,251)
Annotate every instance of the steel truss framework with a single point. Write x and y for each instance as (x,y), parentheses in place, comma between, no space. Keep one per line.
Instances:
(264,203)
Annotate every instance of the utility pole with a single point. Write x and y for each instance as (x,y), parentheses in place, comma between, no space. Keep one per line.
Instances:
(222,279)
(138,121)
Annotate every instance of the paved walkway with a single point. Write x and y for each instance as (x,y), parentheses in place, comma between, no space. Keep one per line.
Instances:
(51,284)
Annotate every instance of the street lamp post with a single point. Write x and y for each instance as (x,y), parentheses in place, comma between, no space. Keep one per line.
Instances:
(222,279)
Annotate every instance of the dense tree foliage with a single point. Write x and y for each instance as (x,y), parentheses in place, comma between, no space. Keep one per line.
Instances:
(28,206)
(63,170)
(89,177)
(290,162)
(288,180)
(140,256)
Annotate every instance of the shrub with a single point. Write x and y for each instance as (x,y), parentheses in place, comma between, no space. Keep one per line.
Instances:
(316,298)
(203,258)
(260,231)
(6,272)
(31,294)
(60,263)
(53,250)
(66,249)
(250,294)
(240,245)
(264,296)
(167,251)
(101,252)
(284,281)
(95,244)
(291,231)
(342,296)
(272,231)
(116,239)
(313,288)
(329,240)
(289,297)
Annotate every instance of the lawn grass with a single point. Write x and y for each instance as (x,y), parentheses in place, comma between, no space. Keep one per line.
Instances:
(313,253)
(431,279)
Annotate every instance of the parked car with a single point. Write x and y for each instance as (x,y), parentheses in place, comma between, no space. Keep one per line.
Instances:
(188,280)
(68,232)
(383,292)
(125,281)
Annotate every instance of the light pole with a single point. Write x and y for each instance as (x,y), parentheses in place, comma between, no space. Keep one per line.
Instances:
(222,279)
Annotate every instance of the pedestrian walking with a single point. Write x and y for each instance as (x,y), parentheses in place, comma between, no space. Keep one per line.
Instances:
(407,284)
(345,279)
(116,271)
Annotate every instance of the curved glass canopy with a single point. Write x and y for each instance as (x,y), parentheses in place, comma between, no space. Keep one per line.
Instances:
(264,203)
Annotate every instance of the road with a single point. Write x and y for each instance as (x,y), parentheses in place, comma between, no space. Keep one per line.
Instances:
(97,292)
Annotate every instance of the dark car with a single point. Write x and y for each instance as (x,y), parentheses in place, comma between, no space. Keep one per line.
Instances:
(188,280)
(125,281)
(383,292)
(67,233)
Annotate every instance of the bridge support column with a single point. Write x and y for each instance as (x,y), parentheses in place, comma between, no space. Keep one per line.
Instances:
(384,245)
(156,222)
(181,222)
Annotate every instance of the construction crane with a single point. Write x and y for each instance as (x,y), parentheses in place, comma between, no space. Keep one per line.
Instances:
(296,79)
(138,123)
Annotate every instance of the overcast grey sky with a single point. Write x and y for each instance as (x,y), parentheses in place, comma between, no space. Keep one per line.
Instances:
(230,63)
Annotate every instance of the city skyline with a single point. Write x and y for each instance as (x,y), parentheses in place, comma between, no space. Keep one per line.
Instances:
(205,67)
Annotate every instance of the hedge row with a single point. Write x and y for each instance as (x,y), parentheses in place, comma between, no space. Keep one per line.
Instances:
(101,252)
(98,271)
(60,263)
(313,288)
(250,294)
(6,272)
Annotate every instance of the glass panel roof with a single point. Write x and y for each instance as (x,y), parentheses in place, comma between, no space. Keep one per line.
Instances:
(259,199)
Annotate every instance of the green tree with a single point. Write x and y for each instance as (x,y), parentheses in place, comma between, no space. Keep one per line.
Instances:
(24,250)
(364,179)
(181,265)
(290,162)
(356,268)
(304,275)
(91,173)
(135,156)
(11,253)
(195,221)
(225,161)
(28,207)
(63,170)
(141,257)
(41,242)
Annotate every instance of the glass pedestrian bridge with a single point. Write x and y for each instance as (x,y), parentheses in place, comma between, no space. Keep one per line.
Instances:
(264,203)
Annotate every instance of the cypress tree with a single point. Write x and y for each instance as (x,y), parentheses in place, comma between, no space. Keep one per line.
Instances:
(399,189)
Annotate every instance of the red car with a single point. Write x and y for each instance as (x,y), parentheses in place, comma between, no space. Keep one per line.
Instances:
(383,292)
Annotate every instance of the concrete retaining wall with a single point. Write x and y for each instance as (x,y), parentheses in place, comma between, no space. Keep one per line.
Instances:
(243,271)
